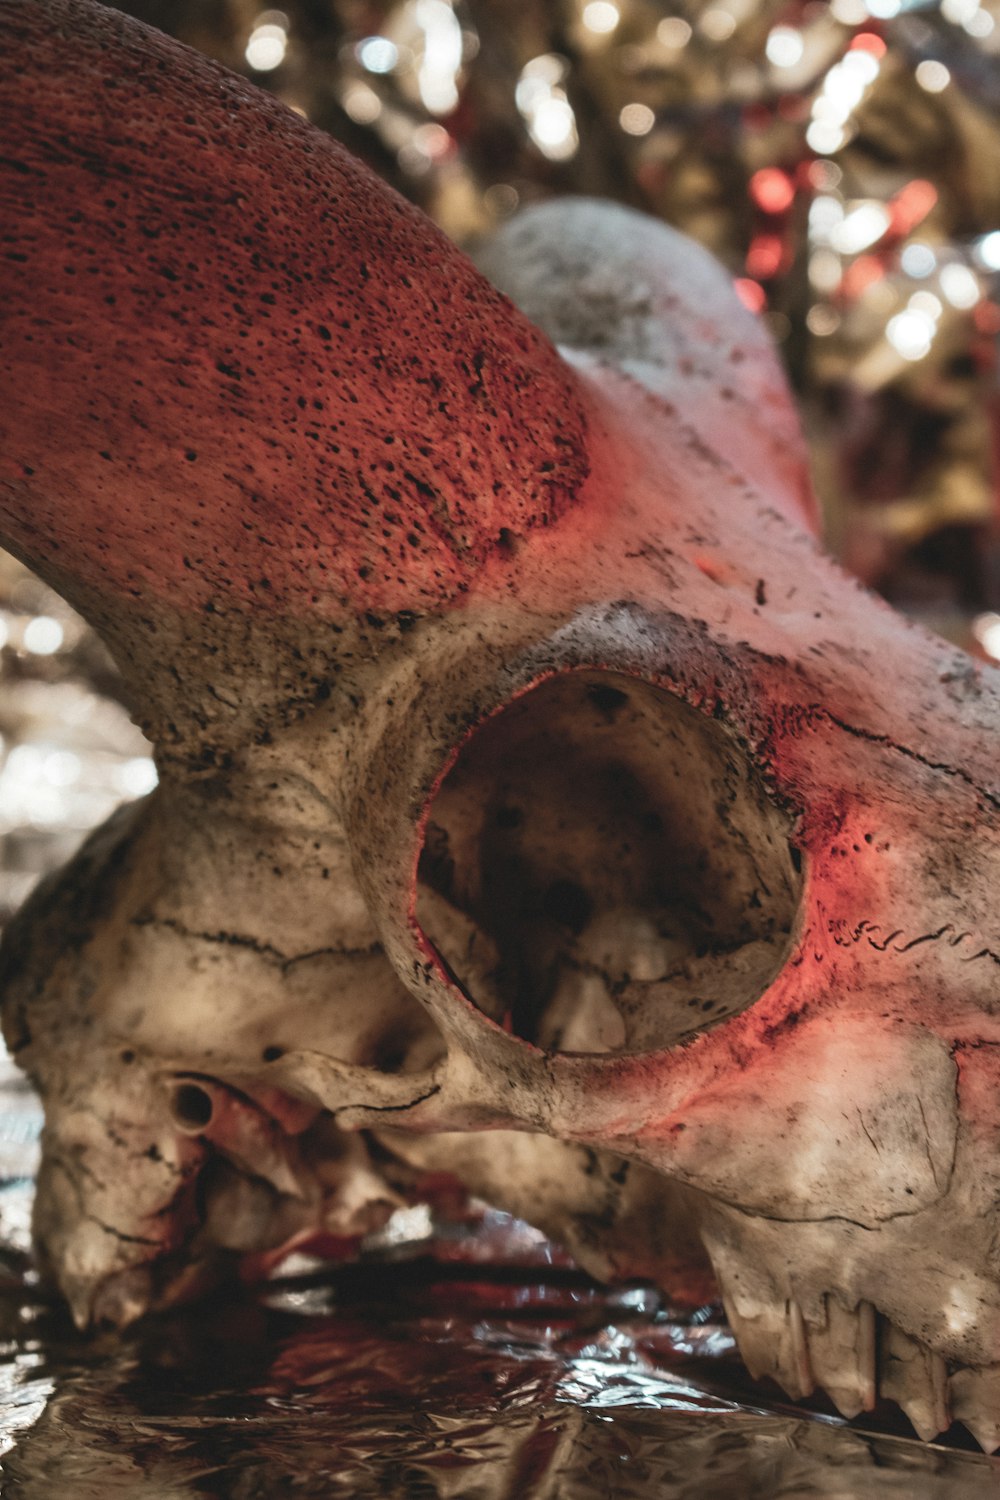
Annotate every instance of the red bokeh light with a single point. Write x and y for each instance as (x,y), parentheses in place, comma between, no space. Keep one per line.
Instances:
(911,205)
(750,293)
(864,272)
(986,318)
(868,41)
(772,190)
(765,256)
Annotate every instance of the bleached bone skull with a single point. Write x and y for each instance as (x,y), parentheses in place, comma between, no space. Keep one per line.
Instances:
(538,805)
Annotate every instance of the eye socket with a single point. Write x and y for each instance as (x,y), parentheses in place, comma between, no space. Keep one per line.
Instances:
(191,1107)
(604,871)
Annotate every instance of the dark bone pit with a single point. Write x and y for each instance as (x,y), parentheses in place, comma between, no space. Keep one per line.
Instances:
(604,870)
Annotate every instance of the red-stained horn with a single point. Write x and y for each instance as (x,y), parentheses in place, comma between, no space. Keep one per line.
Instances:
(237,371)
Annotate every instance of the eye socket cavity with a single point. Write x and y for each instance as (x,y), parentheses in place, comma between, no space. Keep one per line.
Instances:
(604,871)
(191,1107)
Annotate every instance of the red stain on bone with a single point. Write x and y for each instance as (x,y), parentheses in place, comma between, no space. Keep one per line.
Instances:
(235,364)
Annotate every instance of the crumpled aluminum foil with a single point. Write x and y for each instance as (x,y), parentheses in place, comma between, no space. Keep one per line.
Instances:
(450,1360)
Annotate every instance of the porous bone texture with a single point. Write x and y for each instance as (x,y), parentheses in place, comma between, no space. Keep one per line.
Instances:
(539,808)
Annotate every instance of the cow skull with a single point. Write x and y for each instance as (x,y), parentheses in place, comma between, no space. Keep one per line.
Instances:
(538,804)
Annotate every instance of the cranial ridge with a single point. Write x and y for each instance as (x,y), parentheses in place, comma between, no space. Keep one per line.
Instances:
(540,810)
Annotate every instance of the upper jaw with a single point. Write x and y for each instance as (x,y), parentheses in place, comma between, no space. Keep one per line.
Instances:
(905,1311)
(858,1357)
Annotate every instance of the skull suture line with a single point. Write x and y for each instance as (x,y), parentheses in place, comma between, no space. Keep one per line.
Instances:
(525,766)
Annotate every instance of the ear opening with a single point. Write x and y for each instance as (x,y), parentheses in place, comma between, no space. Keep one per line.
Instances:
(604,870)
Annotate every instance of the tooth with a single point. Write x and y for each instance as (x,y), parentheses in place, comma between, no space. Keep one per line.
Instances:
(799,1350)
(756,1338)
(80,1297)
(123,1298)
(916,1378)
(774,1343)
(975,1400)
(582,1016)
(843,1356)
(356,1199)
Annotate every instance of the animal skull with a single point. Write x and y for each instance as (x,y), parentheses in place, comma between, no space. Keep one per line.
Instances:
(538,803)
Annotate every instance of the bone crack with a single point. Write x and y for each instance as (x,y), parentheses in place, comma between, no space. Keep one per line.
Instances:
(817,711)
(254,945)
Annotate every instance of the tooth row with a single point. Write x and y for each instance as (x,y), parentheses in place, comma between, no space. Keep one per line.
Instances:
(856,1362)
